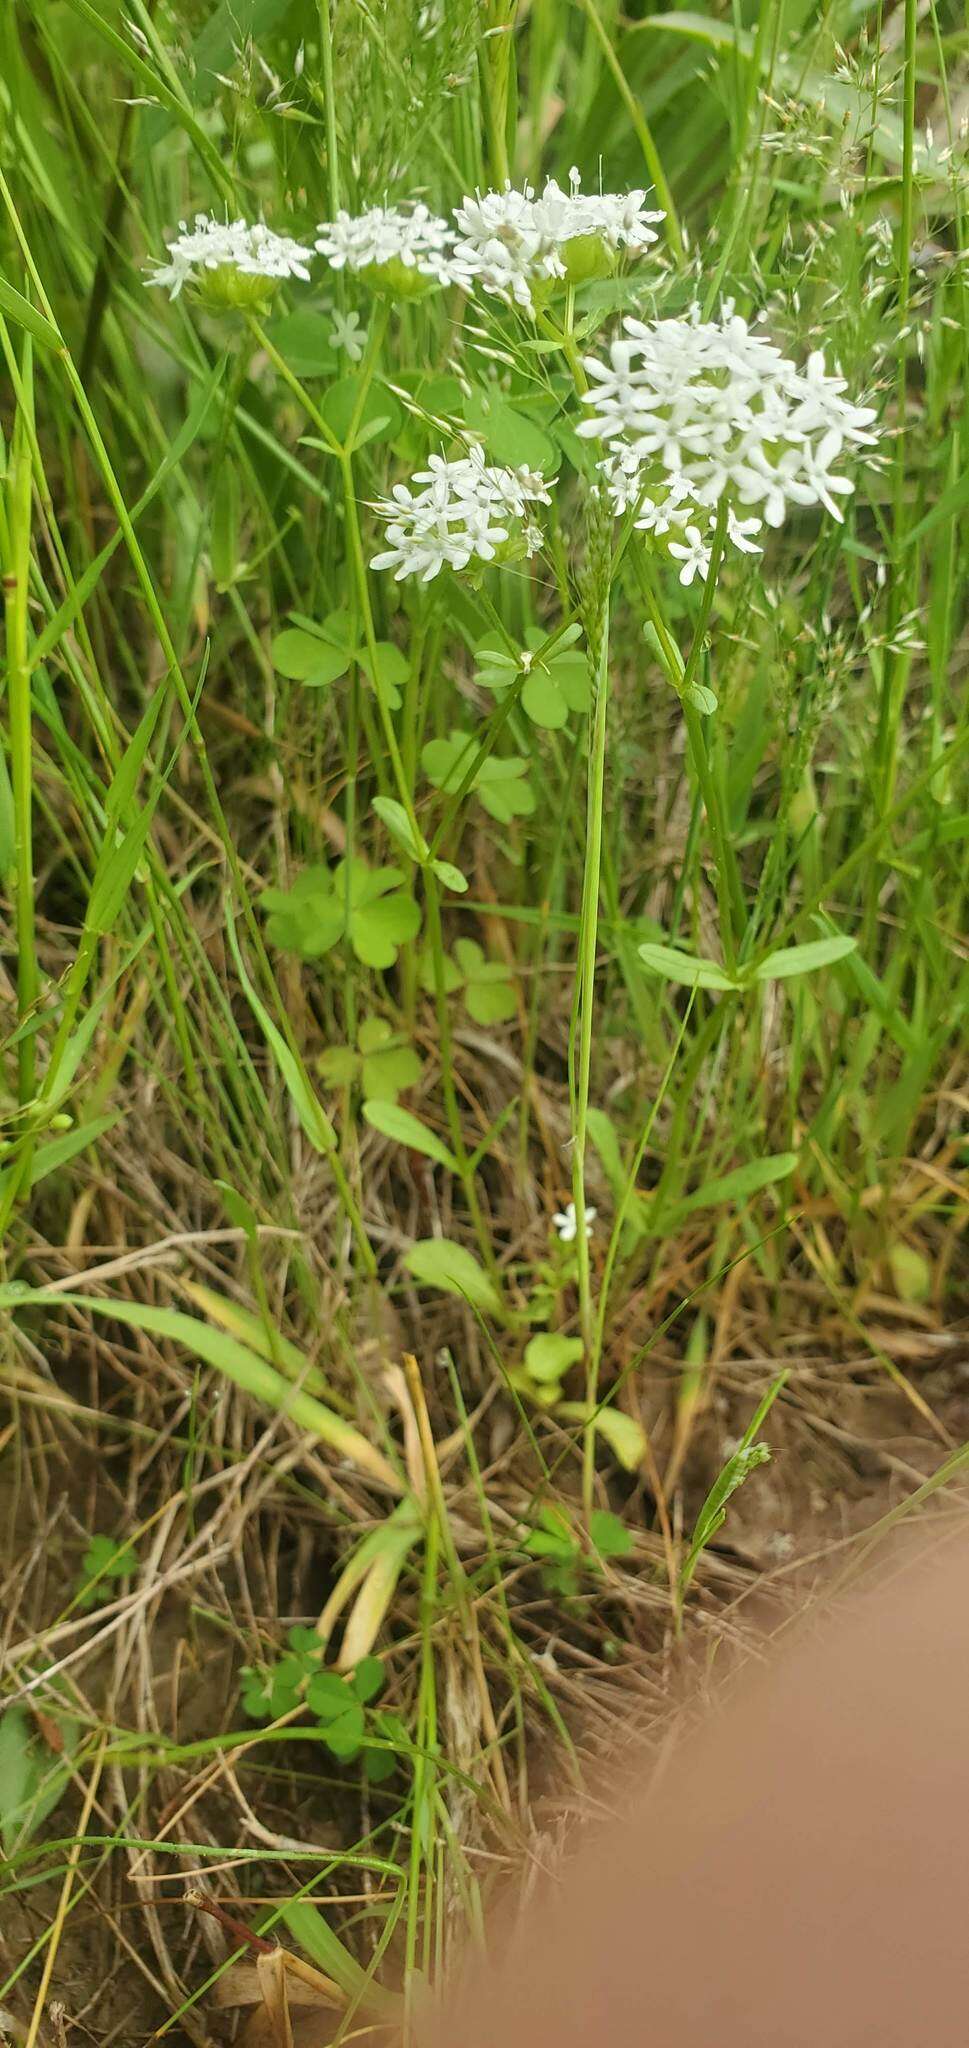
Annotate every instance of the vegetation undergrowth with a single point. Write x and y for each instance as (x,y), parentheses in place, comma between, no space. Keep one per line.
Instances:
(484,849)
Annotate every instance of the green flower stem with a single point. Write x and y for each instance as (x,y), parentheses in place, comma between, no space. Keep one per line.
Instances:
(432,897)
(585,1006)
(729,892)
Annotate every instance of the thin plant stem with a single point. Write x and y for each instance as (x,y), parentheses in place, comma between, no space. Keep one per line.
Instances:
(588,939)
(16,578)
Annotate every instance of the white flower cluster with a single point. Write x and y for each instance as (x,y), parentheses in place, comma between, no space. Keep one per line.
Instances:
(465,509)
(233,248)
(510,241)
(695,412)
(410,238)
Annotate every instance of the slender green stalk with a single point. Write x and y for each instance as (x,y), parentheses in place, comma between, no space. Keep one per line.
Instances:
(585,994)
(16,578)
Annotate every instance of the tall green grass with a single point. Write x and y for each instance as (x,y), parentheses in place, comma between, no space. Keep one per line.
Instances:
(182,1063)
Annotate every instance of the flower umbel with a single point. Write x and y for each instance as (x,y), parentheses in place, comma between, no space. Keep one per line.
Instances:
(567,1224)
(403,251)
(231,262)
(695,412)
(466,509)
(512,243)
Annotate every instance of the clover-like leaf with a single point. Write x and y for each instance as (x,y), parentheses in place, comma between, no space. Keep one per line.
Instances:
(488,994)
(304,656)
(550,1355)
(383,916)
(500,783)
(307,919)
(555,683)
(328,1696)
(256,1693)
(389,1063)
(317,653)
(105,1559)
(368,1679)
(315,913)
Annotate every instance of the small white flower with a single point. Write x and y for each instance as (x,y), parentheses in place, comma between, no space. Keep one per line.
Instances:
(346,333)
(694,555)
(566,1222)
(216,254)
(465,509)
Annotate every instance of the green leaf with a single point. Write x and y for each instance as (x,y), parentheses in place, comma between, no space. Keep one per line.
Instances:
(317,1940)
(626,1437)
(507,434)
(738,1468)
(343,1737)
(33,1777)
(124,842)
(310,918)
(381,417)
(303,342)
(388,668)
(393,815)
(438,1262)
(488,994)
(237,1361)
(793,960)
(500,783)
(368,1679)
(314,1122)
(737,1186)
(327,1696)
(14,306)
(49,1158)
(388,1063)
(307,919)
(701,698)
(609,1534)
(450,876)
(549,1356)
(105,1558)
(405,1129)
(543,701)
(685,968)
(307,658)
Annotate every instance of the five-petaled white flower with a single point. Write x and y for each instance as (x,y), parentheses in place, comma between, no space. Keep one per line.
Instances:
(347,333)
(694,555)
(566,1222)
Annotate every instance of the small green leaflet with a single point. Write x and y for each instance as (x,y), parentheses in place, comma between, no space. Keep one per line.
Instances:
(438,1262)
(405,1129)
